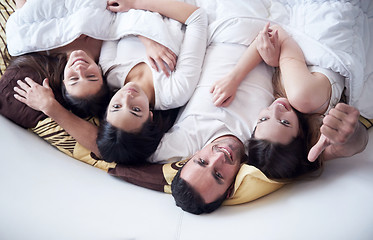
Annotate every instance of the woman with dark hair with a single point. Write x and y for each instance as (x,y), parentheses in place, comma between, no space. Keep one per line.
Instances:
(143,89)
(290,126)
(134,148)
(82,83)
(132,131)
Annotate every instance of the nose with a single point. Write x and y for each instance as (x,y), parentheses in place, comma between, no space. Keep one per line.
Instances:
(80,69)
(218,159)
(279,109)
(127,96)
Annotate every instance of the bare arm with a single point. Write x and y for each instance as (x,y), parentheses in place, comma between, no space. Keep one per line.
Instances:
(342,134)
(299,83)
(224,90)
(179,11)
(41,98)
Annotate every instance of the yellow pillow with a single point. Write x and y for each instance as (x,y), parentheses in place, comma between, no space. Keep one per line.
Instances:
(250,183)
(55,135)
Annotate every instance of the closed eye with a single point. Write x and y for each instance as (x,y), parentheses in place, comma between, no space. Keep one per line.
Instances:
(92,78)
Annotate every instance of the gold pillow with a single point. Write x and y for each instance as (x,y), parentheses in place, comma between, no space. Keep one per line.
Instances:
(250,183)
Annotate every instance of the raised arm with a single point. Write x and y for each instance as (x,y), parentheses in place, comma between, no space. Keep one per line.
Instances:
(41,98)
(299,83)
(179,11)
(224,90)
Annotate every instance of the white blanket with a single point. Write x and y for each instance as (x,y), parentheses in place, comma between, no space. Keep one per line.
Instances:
(332,34)
(44,25)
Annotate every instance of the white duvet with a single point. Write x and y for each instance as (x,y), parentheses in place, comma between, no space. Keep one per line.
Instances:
(43,25)
(333,34)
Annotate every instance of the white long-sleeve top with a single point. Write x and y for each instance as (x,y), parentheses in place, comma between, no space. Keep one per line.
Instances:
(170,92)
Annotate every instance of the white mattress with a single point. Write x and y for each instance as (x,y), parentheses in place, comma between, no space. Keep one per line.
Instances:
(47,195)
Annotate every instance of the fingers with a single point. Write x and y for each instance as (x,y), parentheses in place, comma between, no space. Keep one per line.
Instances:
(152,64)
(218,100)
(113,6)
(318,148)
(275,40)
(227,102)
(21,91)
(19,98)
(22,85)
(171,59)
(264,40)
(162,65)
(340,123)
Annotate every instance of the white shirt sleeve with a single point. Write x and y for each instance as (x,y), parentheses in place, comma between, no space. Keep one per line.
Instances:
(108,54)
(336,81)
(175,91)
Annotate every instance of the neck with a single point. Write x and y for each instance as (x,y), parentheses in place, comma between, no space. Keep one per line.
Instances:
(141,74)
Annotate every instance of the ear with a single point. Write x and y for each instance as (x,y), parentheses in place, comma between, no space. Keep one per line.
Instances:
(151,115)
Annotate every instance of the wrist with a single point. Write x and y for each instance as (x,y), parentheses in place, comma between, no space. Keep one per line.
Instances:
(51,105)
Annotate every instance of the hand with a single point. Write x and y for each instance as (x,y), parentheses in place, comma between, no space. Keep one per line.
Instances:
(120,5)
(34,95)
(159,55)
(339,134)
(223,91)
(268,46)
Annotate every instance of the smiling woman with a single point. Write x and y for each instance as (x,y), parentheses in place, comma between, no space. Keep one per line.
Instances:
(84,87)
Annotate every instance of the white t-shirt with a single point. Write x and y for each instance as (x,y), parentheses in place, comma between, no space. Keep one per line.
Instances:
(170,92)
(200,121)
(336,81)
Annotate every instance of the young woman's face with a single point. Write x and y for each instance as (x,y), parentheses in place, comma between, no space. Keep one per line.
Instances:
(129,108)
(277,123)
(82,76)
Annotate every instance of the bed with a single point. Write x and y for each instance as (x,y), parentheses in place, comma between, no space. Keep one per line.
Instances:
(47,194)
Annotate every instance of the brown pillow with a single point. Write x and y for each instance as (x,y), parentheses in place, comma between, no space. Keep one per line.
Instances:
(10,107)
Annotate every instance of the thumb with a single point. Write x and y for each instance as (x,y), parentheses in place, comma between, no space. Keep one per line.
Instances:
(46,83)
(318,148)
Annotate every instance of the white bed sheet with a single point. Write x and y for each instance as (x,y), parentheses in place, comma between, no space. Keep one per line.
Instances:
(47,195)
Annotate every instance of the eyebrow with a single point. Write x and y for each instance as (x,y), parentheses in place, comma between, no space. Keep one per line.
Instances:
(133,113)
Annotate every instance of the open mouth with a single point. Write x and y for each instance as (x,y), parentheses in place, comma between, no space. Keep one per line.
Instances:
(79,61)
(283,104)
(227,152)
(131,90)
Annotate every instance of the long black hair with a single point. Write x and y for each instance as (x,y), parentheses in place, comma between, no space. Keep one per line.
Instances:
(91,106)
(116,145)
(285,162)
